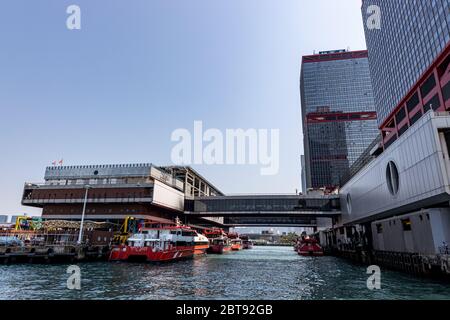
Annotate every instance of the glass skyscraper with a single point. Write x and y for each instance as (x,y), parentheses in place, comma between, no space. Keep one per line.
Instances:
(339,119)
(411,35)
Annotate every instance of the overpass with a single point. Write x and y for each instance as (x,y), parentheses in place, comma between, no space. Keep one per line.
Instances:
(266,210)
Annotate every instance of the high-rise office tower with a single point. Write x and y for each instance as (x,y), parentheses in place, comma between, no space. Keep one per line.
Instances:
(408,58)
(339,119)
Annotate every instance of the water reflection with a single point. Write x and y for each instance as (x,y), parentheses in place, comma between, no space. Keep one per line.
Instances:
(260,273)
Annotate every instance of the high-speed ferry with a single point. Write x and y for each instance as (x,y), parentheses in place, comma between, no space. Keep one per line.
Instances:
(218,241)
(201,243)
(157,243)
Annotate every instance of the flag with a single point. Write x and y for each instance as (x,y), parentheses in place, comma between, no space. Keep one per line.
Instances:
(60,162)
(54,163)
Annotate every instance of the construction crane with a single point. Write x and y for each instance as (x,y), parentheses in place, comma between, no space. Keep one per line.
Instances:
(27,223)
(128,227)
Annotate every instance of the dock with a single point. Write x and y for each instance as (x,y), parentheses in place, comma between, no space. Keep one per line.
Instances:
(35,247)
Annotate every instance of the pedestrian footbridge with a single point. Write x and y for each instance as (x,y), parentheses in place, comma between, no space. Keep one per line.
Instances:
(266,210)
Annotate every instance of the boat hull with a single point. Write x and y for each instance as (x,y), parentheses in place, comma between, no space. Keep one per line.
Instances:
(310,253)
(247,245)
(236,247)
(148,254)
(218,248)
(200,248)
(310,250)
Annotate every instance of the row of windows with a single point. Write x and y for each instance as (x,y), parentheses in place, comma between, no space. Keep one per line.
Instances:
(68,182)
(91,211)
(406,223)
(93,195)
(412,35)
(227,205)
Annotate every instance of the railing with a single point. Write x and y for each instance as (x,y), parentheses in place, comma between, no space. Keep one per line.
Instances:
(444,249)
(37,239)
(271,195)
(442,114)
(166,178)
(89,200)
(40,185)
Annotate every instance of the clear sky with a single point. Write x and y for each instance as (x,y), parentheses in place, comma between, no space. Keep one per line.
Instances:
(114,91)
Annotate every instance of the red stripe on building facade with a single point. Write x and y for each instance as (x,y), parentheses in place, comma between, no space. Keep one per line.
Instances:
(335,56)
(340,117)
(407,112)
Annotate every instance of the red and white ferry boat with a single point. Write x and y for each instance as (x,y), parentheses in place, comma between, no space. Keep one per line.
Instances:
(201,243)
(246,242)
(218,241)
(309,247)
(236,242)
(159,242)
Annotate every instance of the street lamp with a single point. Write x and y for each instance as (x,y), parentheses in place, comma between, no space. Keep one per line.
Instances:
(80,235)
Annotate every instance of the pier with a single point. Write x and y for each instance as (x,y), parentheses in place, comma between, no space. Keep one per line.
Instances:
(21,246)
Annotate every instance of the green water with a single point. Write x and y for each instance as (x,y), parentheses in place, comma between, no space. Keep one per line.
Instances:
(259,273)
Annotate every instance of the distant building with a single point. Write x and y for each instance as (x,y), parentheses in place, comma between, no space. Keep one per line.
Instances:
(303,174)
(407,74)
(194,184)
(339,119)
(399,196)
(114,192)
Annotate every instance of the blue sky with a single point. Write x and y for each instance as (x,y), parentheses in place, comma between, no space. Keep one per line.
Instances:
(114,91)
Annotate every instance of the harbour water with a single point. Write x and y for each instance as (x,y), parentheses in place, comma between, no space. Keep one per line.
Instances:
(260,273)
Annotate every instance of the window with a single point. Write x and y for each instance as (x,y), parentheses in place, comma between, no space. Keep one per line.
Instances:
(416,117)
(390,141)
(434,103)
(349,203)
(392,178)
(379,228)
(428,86)
(403,129)
(406,224)
(412,102)
(401,114)
(446,91)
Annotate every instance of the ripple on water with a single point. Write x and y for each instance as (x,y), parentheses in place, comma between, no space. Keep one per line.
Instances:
(260,273)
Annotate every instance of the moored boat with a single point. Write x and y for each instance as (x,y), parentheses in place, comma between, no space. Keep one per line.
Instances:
(201,244)
(246,242)
(236,242)
(157,243)
(218,241)
(309,247)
